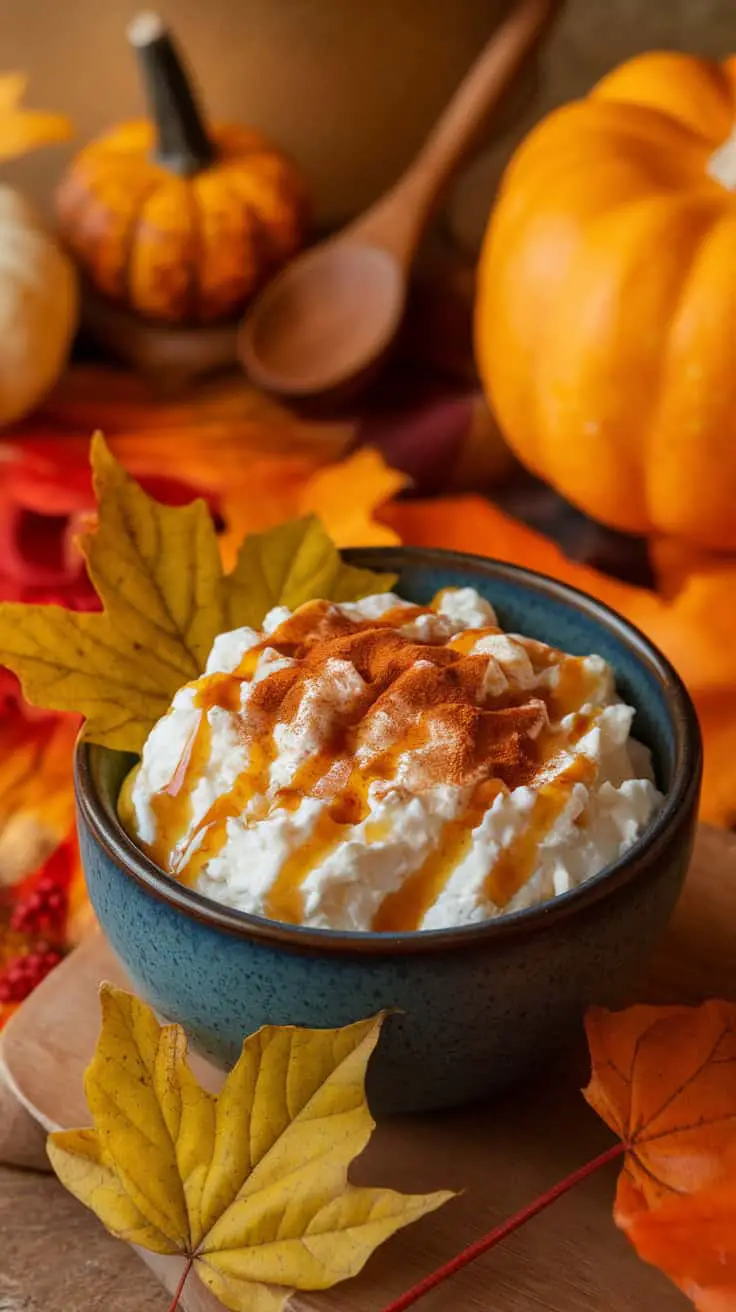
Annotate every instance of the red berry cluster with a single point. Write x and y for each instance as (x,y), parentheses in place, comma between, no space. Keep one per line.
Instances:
(23,973)
(42,910)
(36,927)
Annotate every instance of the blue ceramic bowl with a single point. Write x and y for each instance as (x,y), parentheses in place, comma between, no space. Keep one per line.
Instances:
(478,1005)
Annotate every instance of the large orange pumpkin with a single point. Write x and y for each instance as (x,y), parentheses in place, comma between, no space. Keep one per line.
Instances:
(606,306)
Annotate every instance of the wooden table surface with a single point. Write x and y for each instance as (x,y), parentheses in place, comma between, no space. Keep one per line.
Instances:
(55,1257)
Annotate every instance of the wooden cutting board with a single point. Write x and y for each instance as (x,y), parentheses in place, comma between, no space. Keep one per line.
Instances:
(571,1259)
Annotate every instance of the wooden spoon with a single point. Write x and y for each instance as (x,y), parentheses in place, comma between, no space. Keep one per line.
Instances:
(324,324)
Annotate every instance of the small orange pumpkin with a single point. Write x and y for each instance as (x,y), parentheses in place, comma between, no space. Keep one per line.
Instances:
(606,303)
(179,224)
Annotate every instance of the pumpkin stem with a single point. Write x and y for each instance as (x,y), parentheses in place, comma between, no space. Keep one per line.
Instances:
(183,145)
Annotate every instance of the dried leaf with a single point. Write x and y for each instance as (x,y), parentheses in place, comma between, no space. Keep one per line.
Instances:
(692,1238)
(157,572)
(664,1080)
(251,1185)
(213,428)
(344,496)
(22,130)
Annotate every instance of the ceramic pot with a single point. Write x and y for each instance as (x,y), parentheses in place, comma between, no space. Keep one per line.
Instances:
(478,1005)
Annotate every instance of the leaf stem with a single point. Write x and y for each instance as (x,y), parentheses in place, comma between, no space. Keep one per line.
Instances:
(503,1230)
(180,1287)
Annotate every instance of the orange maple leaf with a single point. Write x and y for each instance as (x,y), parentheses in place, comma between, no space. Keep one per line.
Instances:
(36,790)
(344,496)
(664,1080)
(717,715)
(691,1237)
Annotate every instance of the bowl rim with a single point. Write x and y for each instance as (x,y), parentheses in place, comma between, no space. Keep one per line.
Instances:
(679,801)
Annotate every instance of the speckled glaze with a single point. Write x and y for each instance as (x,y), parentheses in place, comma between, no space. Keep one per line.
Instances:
(477,1006)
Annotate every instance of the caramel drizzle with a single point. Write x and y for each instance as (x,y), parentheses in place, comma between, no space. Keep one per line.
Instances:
(516,863)
(347,807)
(212,828)
(406,908)
(172,806)
(285,900)
(465,642)
(333,775)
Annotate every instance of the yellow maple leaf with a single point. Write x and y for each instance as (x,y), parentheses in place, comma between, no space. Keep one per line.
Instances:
(158,574)
(251,1186)
(22,130)
(291,564)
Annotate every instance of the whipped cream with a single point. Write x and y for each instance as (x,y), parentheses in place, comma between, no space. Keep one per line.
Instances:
(383,766)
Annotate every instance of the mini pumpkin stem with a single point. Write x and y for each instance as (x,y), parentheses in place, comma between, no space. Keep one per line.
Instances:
(183,144)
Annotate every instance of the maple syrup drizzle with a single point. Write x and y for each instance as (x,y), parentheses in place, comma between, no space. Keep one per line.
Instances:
(573,687)
(516,863)
(285,899)
(347,808)
(250,784)
(397,616)
(465,642)
(321,775)
(406,908)
(172,805)
(583,722)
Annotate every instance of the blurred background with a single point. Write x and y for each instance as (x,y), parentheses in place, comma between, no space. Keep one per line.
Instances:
(349,89)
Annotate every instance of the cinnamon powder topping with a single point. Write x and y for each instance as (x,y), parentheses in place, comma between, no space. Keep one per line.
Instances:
(423,702)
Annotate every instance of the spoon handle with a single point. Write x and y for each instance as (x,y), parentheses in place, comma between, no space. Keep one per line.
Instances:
(396,221)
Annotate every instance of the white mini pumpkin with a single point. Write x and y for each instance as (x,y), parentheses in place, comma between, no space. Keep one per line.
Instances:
(39,304)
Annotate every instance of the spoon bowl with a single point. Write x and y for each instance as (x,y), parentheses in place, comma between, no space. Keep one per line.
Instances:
(324,319)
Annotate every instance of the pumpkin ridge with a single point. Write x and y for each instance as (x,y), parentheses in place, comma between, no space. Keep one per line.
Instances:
(260,255)
(651,458)
(585,483)
(265,256)
(196,224)
(698,502)
(129,237)
(585,127)
(668,80)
